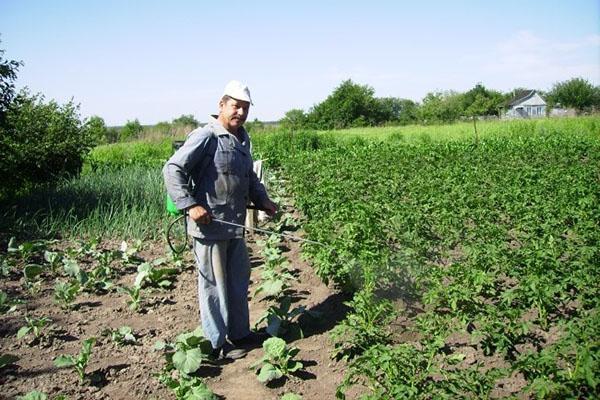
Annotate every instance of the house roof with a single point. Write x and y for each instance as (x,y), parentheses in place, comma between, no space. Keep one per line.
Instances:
(520,96)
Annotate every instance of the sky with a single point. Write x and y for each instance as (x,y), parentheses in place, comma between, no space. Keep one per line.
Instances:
(156,60)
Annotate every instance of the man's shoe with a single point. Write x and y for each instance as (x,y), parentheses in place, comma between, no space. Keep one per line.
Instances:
(233,352)
(254,339)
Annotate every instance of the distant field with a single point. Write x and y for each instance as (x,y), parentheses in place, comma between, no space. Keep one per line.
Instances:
(465,130)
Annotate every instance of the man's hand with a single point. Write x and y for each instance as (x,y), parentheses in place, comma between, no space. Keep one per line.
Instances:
(270,208)
(199,214)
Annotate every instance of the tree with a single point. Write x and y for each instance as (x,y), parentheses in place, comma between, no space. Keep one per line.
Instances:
(349,105)
(186,120)
(131,130)
(8,74)
(96,129)
(480,101)
(40,142)
(576,93)
(398,111)
(294,120)
(441,107)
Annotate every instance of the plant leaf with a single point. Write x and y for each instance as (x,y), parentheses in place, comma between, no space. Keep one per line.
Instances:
(64,361)
(23,331)
(187,361)
(7,359)
(274,347)
(268,372)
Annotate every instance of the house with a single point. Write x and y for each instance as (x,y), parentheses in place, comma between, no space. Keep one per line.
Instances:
(525,104)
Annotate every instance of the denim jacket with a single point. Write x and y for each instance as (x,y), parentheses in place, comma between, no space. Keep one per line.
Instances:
(215,170)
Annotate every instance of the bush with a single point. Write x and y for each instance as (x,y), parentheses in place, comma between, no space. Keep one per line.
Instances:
(40,143)
(131,130)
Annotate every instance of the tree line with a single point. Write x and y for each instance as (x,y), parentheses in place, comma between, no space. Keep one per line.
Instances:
(354,105)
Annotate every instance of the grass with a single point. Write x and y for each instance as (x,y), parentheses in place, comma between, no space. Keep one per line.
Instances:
(464,130)
(128,203)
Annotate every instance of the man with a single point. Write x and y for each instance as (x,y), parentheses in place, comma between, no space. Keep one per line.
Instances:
(211,176)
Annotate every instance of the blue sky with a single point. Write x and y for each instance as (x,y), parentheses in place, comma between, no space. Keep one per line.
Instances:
(156,60)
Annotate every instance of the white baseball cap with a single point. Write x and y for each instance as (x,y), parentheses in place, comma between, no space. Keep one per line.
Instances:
(238,91)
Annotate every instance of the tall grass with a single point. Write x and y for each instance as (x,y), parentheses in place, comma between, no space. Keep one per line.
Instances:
(119,204)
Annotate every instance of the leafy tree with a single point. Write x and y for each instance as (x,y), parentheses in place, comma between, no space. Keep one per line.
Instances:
(577,93)
(131,130)
(480,101)
(40,142)
(440,107)
(8,74)
(96,129)
(398,111)
(294,120)
(186,120)
(349,105)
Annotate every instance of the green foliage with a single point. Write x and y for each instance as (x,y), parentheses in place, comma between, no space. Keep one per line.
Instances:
(7,359)
(480,101)
(187,353)
(187,388)
(294,120)
(281,319)
(7,305)
(121,336)
(131,130)
(65,293)
(496,241)
(8,74)
(291,396)
(576,93)
(277,361)
(152,275)
(365,326)
(97,130)
(34,326)
(186,120)
(440,107)
(40,143)
(124,155)
(398,111)
(80,362)
(349,105)
(135,296)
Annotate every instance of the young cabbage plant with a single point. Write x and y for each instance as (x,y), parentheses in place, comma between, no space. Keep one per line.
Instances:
(54,259)
(80,362)
(281,320)
(155,277)
(135,296)
(186,387)
(34,326)
(121,336)
(187,353)
(278,360)
(65,293)
(8,305)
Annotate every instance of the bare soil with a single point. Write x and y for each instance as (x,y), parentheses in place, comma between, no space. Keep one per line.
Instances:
(128,372)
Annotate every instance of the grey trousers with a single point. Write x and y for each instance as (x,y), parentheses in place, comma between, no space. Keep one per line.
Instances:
(223,279)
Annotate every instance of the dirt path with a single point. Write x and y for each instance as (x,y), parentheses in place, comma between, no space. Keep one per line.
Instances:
(322,375)
(127,372)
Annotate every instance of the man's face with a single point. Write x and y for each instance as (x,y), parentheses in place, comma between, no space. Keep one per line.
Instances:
(233,113)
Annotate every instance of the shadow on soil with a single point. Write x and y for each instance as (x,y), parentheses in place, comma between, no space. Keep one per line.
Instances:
(328,314)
